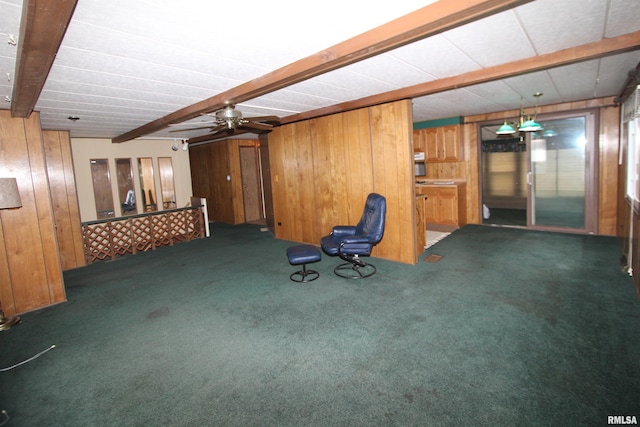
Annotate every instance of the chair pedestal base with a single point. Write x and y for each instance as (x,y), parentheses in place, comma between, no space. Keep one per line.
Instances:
(358,270)
(304,275)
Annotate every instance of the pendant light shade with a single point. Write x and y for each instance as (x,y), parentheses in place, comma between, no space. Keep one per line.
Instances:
(530,126)
(506,129)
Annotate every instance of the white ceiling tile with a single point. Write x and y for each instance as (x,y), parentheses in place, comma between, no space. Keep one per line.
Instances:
(435,56)
(613,72)
(386,68)
(553,25)
(499,92)
(529,84)
(494,40)
(571,80)
(622,17)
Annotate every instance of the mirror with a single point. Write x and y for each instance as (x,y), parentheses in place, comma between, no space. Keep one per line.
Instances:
(167,187)
(126,189)
(102,188)
(147,184)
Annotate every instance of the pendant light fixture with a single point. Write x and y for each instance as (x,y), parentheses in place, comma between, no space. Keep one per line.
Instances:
(528,125)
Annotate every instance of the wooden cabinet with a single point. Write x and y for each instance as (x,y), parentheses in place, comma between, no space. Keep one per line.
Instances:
(421,223)
(445,204)
(440,144)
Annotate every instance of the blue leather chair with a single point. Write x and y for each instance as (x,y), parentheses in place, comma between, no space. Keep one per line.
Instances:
(351,242)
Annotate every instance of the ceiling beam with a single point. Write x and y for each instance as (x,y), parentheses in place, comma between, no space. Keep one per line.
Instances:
(425,22)
(624,43)
(42,28)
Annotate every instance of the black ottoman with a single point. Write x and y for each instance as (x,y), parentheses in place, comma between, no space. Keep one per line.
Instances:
(303,254)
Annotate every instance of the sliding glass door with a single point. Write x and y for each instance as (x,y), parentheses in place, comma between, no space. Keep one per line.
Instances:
(560,176)
(543,180)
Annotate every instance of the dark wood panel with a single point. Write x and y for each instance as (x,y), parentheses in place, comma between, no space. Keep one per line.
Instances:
(64,199)
(322,171)
(392,149)
(250,178)
(22,238)
(209,170)
(359,161)
(276,141)
(300,184)
(235,180)
(608,142)
(266,181)
(330,169)
(29,241)
(54,283)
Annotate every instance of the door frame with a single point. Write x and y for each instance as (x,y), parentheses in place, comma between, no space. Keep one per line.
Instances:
(591,169)
(591,173)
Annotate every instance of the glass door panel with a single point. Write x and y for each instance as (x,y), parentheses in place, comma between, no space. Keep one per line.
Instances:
(504,178)
(559,174)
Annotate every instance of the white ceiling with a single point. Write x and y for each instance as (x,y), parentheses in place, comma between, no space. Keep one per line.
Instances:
(125,63)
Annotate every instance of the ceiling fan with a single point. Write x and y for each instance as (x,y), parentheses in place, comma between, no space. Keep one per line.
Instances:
(229,121)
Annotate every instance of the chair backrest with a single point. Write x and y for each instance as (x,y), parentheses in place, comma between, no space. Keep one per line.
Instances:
(373,218)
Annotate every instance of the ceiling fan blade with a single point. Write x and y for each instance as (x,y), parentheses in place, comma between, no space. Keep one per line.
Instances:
(259,126)
(208,122)
(190,129)
(218,128)
(273,119)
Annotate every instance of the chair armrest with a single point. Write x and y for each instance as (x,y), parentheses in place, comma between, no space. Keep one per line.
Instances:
(355,239)
(343,230)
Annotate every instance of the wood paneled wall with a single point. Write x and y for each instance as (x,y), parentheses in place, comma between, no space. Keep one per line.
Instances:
(30,271)
(209,170)
(64,198)
(210,165)
(323,169)
(608,152)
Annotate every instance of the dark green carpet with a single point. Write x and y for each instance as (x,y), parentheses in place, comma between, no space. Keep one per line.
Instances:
(511,327)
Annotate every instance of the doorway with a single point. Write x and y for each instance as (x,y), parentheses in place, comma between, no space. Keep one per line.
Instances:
(251,188)
(541,180)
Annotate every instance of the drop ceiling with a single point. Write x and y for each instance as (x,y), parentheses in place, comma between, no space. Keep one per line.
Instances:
(125,63)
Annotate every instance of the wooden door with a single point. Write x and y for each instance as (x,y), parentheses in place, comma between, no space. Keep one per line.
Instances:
(251,193)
